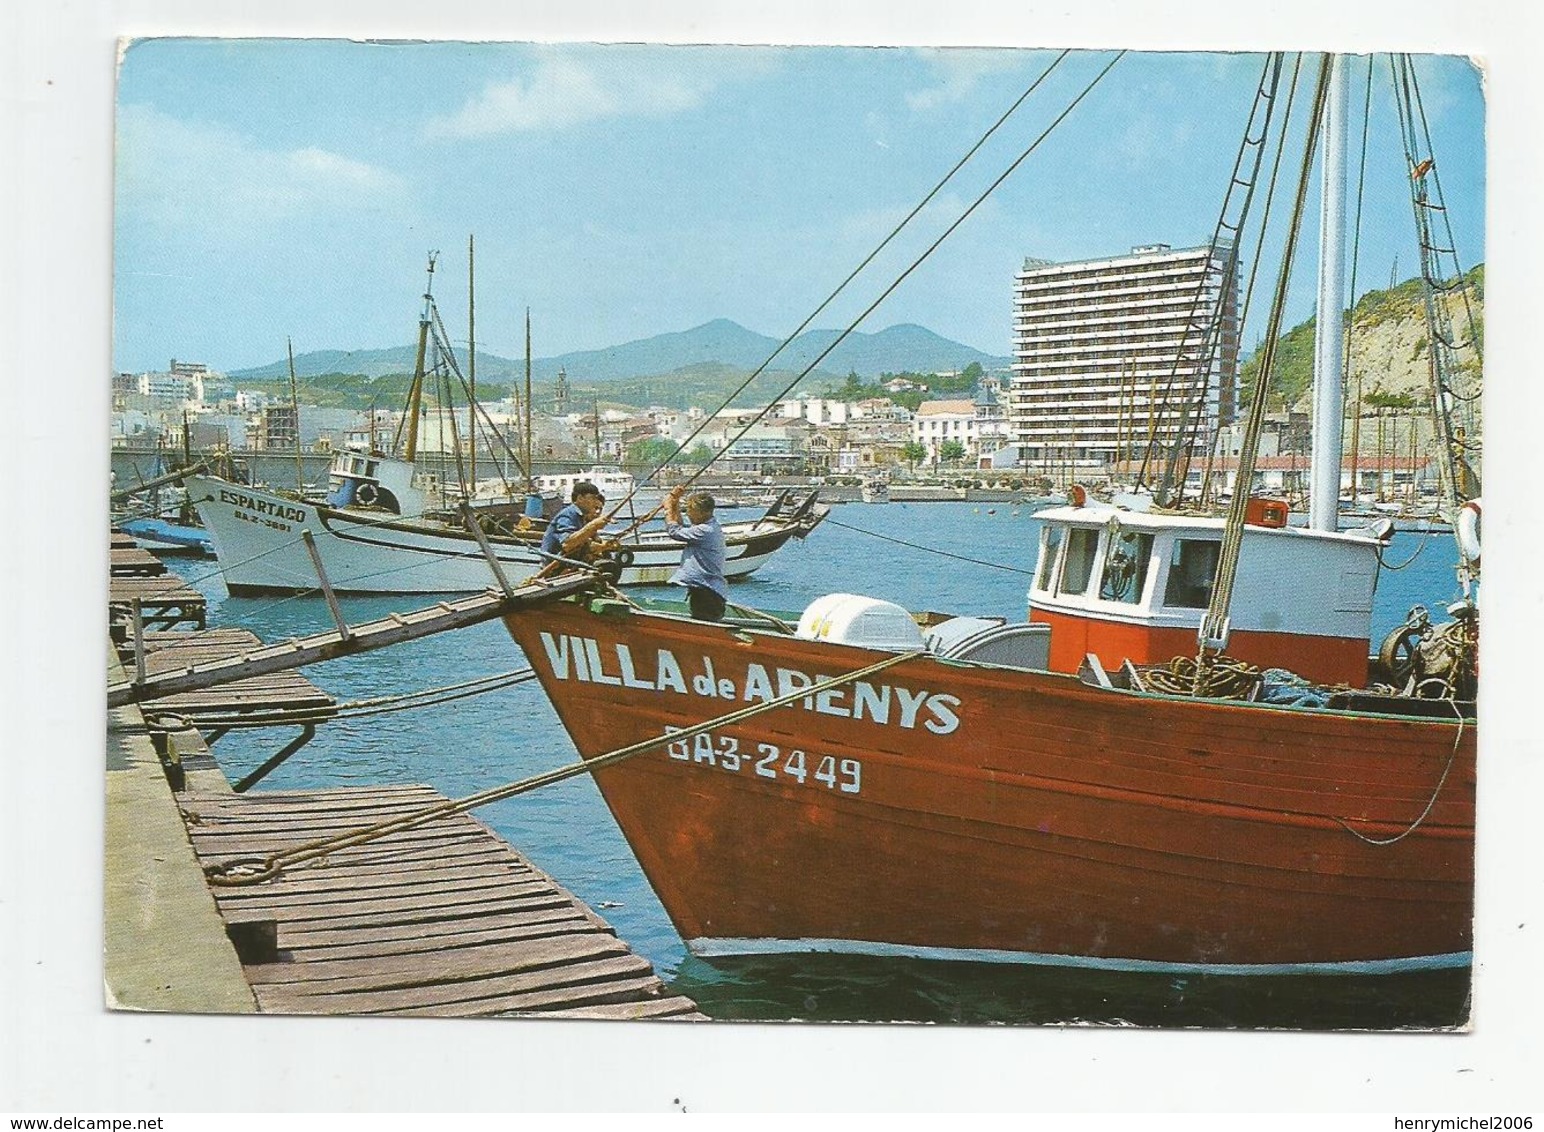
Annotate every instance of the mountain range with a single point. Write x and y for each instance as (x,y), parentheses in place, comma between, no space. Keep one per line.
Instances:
(897,349)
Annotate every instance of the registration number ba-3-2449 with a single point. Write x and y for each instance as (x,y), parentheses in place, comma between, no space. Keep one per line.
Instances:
(767,761)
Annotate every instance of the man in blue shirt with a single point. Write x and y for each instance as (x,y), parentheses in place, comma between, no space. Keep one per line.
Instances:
(702,558)
(573,526)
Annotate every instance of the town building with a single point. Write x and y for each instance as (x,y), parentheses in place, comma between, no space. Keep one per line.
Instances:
(276,426)
(1108,353)
(762,448)
(978,425)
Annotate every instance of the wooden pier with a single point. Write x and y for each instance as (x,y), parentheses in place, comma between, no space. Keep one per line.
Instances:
(443,919)
(246,702)
(135,576)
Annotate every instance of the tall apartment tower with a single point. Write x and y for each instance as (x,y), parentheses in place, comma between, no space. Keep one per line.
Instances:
(1108,351)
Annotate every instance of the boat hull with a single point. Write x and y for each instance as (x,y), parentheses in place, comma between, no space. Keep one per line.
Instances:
(990,814)
(259,541)
(258,538)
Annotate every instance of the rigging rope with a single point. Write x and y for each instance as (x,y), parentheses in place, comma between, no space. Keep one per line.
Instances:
(1265,217)
(853,325)
(381,705)
(1214,624)
(244,871)
(1265,94)
(929,549)
(842,286)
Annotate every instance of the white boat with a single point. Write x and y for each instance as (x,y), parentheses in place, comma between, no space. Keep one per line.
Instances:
(381,528)
(377,533)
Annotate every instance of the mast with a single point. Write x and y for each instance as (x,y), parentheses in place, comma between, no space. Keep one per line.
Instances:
(300,471)
(1356,444)
(1329,324)
(415,391)
(530,479)
(471,360)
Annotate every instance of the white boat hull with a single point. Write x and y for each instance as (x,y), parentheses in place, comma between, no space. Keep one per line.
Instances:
(259,539)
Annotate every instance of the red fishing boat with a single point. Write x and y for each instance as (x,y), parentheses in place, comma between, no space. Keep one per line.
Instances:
(957,808)
(1051,792)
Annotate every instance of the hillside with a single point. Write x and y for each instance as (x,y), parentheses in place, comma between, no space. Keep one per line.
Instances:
(654,360)
(1388,347)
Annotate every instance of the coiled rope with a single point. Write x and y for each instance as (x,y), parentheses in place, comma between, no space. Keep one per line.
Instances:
(1223,678)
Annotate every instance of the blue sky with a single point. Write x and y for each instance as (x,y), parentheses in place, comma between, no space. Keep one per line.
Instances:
(283,187)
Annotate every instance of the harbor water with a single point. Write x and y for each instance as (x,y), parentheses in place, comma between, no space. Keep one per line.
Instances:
(946,557)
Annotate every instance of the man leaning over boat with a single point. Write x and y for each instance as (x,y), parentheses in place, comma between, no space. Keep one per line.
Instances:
(573,528)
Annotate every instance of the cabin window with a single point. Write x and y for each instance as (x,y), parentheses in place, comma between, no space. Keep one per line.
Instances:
(1050,543)
(1192,568)
(1081,544)
(1125,567)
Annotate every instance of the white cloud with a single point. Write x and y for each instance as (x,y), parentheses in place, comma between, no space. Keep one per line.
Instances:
(178,172)
(959,71)
(562,92)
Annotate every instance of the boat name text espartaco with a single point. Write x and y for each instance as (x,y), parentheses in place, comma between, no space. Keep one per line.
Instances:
(263,506)
(581,658)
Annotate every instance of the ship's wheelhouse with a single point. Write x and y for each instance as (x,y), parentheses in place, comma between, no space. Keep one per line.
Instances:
(1134,586)
(365,479)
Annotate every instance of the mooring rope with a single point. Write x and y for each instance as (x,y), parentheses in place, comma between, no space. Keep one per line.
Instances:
(362,709)
(1431,803)
(245,871)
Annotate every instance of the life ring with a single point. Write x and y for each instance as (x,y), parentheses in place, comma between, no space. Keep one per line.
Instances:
(624,557)
(367,495)
(1467,530)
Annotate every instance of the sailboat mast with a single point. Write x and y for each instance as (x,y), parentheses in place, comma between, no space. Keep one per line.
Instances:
(471,360)
(530,478)
(300,471)
(1329,324)
(415,391)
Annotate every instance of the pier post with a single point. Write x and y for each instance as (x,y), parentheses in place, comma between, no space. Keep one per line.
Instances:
(139,640)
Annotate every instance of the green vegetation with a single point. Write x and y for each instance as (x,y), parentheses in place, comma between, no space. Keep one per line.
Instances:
(951,451)
(934,386)
(655,450)
(1293,374)
(356,391)
(913,453)
(1395,402)
(1294,351)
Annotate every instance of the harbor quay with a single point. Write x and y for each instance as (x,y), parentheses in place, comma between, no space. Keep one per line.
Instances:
(415,908)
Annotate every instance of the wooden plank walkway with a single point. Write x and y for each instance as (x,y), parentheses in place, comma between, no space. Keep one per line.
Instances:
(132,561)
(239,702)
(445,919)
(165,600)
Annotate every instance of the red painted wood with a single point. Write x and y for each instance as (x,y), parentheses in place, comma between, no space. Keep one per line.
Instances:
(1056,818)
(1326,660)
